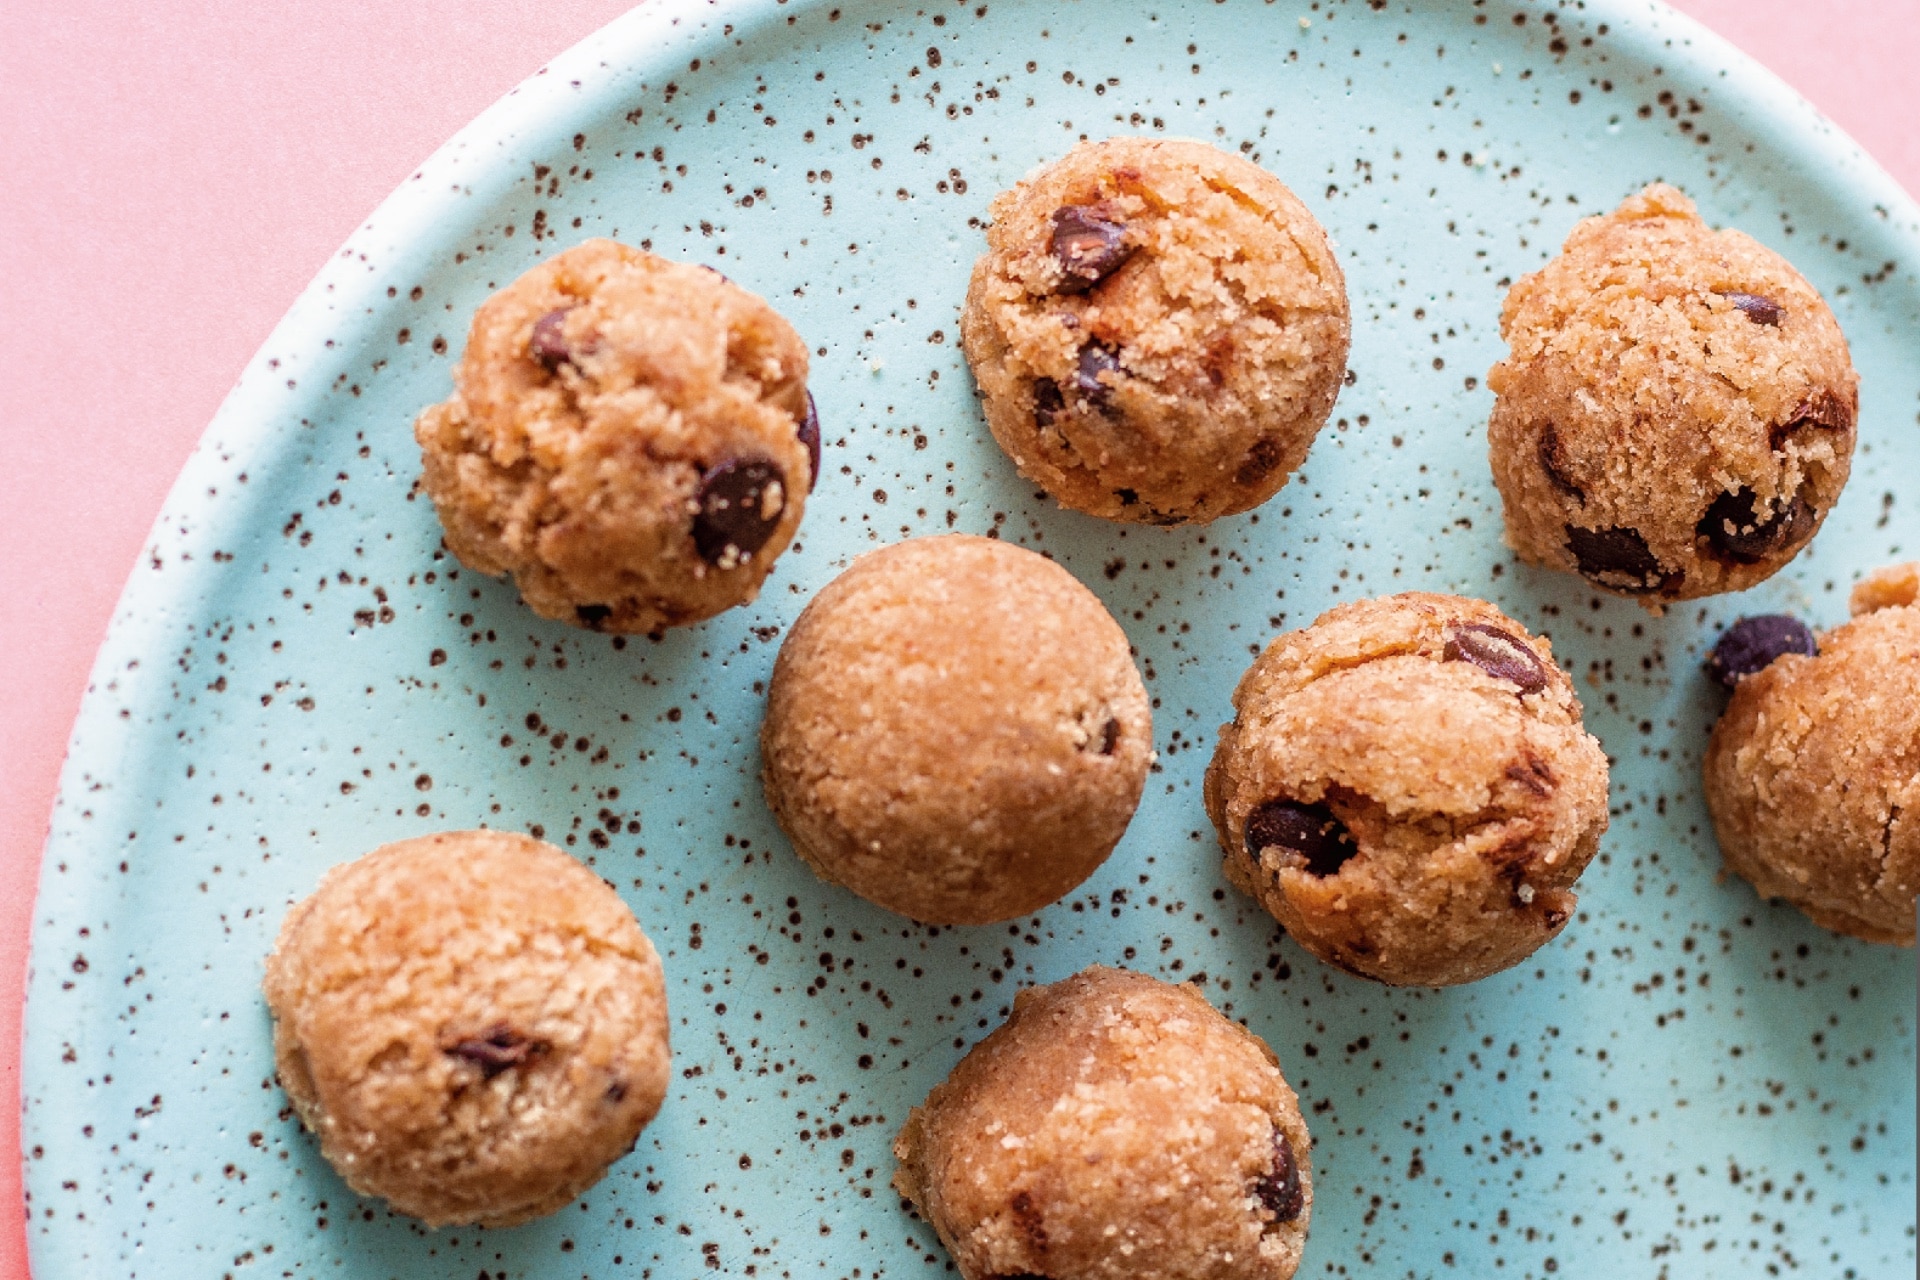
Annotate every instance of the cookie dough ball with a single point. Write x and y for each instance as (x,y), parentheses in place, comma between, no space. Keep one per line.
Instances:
(1407,788)
(1813,773)
(1158,329)
(955,730)
(1115,1127)
(1676,416)
(630,438)
(472,1024)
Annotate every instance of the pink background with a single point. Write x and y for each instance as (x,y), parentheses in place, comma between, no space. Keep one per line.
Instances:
(176,172)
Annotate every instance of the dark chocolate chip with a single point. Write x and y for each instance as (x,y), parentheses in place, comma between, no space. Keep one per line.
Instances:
(1280,1190)
(1259,462)
(1109,737)
(809,434)
(1309,830)
(498,1050)
(1741,531)
(617,1091)
(1094,361)
(1048,403)
(1821,411)
(1751,644)
(1088,248)
(740,505)
(1498,653)
(1553,461)
(1128,498)
(593,616)
(548,346)
(1615,552)
(1756,308)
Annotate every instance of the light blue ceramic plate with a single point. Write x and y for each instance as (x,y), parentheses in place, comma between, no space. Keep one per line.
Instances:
(1688,1083)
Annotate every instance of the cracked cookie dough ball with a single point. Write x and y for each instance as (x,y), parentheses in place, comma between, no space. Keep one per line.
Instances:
(1407,788)
(955,730)
(629,438)
(1813,773)
(472,1024)
(1676,415)
(1158,329)
(1114,1127)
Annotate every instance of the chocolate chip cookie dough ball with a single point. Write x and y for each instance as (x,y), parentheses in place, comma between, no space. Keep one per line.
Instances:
(471,1023)
(1676,416)
(955,731)
(1813,773)
(1158,329)
(1407,788)
(1115,1127)
(630,438)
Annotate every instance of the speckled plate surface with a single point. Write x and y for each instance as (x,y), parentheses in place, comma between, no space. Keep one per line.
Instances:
(1687,1083)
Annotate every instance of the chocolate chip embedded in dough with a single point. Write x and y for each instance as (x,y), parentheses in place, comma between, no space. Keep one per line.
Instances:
(1617,552)
(500,1049)
(1048,403)
(1308,830)
(548,345)
(1742,530)
(1088,247)
(809,433)
(1280,1190)
(1750,645)
(1095,360)
(593,616)
(1760,310)
(1500,654)
(1555,465)
(739,506)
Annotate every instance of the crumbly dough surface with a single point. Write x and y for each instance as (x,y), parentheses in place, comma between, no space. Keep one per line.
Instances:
(1813,772)
(472,1023)
(955,730)
(624,439)
(1158,329)
(1114,1128)
(1407,788)
(1676,415)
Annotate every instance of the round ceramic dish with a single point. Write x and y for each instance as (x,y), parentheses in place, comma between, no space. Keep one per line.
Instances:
(1686,1083)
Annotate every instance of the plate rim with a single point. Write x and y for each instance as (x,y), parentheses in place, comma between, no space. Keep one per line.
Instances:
(539,111)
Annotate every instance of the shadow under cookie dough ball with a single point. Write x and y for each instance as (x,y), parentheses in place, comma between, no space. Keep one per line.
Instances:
(630,438)
(1407,788)
(1158,329)
(955,730)
(1676,416)
(472,1024)
(1114,1127)
(1813,773)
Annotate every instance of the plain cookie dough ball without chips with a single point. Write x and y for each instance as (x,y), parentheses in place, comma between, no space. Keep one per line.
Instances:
(630,438)
(955,730)
(1407,788)
(1676,416)
(1813,772)
(1114,1128)
(1158,329)
(472,1023)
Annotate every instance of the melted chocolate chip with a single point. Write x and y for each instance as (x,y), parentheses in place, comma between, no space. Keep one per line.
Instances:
(1553,461)
(1088,248)
(1740,530)
(1615,553)
(593,616)
(740,505)
(1498,653)
(498,1050)
(1094,361)
(1750,645)
(809,433)
(1109,737)
(548,345)
(1756,308)
(1048,403)
(1308,830)
(1280,1190)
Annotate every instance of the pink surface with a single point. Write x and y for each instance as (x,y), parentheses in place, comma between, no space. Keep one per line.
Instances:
(176,173)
